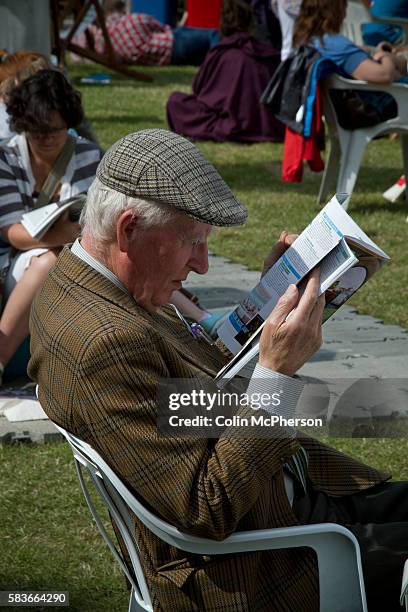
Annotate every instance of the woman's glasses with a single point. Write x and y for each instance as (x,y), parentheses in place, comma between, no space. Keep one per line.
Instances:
(38,134)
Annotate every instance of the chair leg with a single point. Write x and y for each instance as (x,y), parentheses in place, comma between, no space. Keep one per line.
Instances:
(351,158)
(133,605)
(404,146)
(330,171)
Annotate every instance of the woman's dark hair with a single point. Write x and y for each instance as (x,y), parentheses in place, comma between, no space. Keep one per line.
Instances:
(236,16)
(31,103)
(318,17)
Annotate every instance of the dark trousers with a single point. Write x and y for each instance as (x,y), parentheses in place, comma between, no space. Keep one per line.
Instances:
(191,45)
(378,517)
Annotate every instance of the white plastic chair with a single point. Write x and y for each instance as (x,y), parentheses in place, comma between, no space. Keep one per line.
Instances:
(338,553)
(358,14)
(347,146)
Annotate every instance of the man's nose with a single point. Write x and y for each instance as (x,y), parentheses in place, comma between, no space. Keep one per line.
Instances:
(199,261)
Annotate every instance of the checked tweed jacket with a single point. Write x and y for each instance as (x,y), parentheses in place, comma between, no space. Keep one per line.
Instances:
(97,357)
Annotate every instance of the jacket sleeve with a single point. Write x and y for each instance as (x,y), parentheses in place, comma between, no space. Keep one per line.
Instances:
(202,486)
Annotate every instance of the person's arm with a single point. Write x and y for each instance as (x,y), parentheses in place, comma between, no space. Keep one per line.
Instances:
(61,232)
(265,379)
(204,487)
(382,68)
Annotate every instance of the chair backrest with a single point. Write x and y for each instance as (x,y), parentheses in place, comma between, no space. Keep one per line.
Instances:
(357,14)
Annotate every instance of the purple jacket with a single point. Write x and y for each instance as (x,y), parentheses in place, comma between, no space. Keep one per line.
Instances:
(225,104)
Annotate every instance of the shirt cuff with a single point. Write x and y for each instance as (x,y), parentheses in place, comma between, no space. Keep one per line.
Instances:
(275,393)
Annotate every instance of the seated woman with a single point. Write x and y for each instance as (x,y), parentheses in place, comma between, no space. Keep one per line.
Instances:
(319,24)
(224,105)
(41,109)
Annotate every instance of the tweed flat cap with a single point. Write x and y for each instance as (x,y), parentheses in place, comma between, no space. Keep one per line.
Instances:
(165,167)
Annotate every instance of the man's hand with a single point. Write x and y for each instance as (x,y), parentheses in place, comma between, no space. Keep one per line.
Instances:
(285,240)
(286,344)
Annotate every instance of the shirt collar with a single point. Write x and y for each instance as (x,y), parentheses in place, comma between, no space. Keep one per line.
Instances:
(78,250)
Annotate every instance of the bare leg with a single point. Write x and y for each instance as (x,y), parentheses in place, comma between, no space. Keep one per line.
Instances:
(14,320)
(187,307)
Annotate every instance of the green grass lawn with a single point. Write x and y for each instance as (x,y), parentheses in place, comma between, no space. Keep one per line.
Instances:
(47,540)
(47,537)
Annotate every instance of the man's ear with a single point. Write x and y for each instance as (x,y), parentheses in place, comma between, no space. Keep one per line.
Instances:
(125,227)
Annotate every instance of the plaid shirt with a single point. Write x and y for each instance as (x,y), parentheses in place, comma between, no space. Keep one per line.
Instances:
(137,38)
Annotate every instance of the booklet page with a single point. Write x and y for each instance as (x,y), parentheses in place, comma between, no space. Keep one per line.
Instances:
(319,238)
(349,263)
(38,218)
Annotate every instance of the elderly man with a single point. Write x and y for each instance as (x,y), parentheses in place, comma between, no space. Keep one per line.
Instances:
(102,340)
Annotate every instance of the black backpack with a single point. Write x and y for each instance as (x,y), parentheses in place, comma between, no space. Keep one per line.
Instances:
(288,89)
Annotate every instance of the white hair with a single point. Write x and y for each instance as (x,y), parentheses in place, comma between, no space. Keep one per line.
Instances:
(104,206)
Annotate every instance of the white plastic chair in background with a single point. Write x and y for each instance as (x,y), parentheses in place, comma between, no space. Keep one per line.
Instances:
(358,14)
(347,146)
(337,550)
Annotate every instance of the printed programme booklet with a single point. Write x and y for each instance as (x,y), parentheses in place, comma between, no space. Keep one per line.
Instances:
(38,221)
(347,258)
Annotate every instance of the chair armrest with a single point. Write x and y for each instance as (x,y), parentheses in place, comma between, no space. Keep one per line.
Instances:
(336,81)
(260,539)
(398,21)
(399,91)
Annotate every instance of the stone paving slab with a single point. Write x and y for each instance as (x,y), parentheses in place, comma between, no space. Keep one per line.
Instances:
(355,346)
(28,431)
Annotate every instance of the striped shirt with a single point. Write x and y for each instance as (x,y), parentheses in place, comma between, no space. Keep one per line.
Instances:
(17,182)
(137,38)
